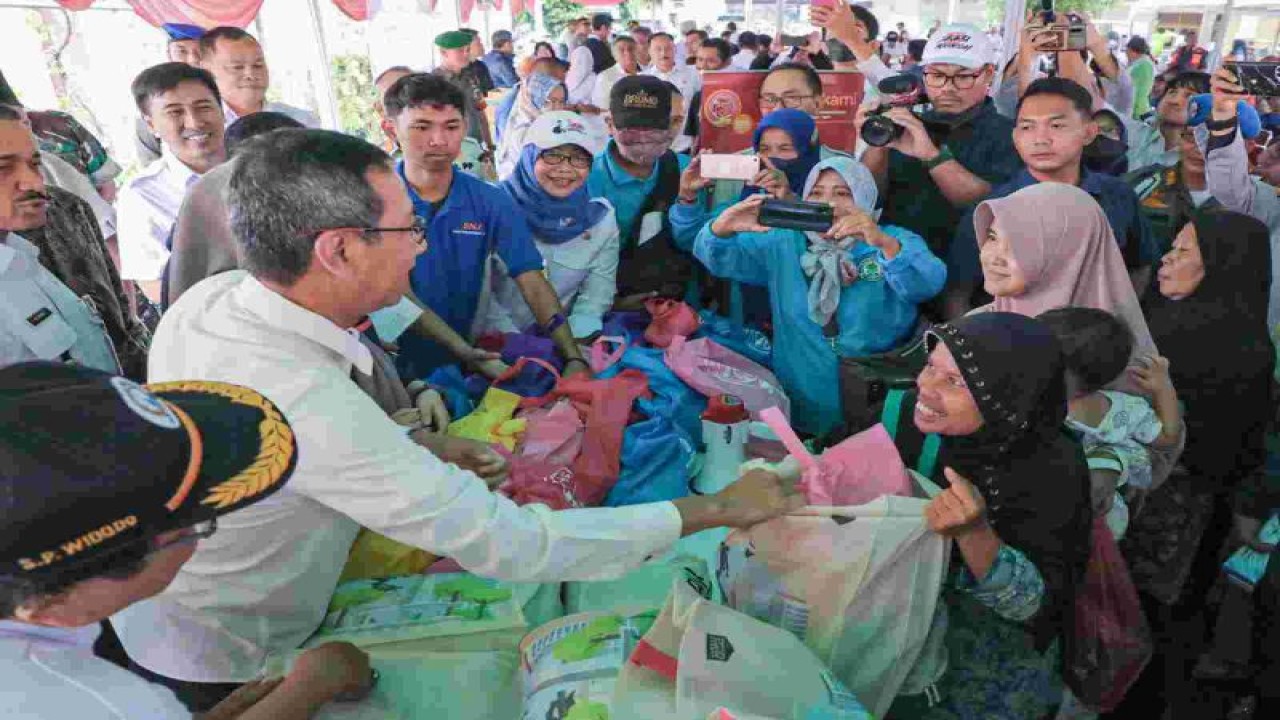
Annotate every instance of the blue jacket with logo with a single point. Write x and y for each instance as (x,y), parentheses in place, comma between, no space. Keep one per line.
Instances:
(877,312)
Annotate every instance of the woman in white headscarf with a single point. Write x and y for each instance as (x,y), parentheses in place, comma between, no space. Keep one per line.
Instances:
(850,292)
(539,93)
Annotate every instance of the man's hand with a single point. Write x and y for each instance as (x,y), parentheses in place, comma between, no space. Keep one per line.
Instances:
(466,454)
(858,224)
(958,510)
(245,697)
(740,218)
(692,182)
(841,24)
(914,141)
(756,497)
(772,180)
(488,364)
(1227,93)
(333,670)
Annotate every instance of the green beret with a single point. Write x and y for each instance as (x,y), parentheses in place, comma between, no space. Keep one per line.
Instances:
(453,40)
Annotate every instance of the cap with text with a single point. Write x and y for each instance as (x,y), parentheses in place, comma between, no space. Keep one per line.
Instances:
(641,101)
(553,129)
(961,44)
(92,464)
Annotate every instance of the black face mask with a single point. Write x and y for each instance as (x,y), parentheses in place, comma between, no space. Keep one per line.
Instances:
(1106,155)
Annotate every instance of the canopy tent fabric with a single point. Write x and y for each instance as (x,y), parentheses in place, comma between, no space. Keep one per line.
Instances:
(205,13)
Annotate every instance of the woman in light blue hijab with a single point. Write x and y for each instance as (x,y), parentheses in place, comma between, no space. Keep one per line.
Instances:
(539,93)
(850,292)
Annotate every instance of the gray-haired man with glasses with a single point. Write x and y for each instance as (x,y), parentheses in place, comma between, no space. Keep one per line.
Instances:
(952,154)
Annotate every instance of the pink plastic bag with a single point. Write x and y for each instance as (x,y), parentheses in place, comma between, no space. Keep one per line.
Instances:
(671,318)
(855,472)
(600,357)
(605,407)
(712,369)
(552,434)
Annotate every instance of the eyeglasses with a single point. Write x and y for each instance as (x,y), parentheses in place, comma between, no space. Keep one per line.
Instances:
(582,162)
(788,101)
(940,80)
(418,229)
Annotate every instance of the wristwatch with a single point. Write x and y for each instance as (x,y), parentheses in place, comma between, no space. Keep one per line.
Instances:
(944,155)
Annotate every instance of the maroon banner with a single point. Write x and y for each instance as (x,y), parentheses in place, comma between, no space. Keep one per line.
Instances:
(731,109)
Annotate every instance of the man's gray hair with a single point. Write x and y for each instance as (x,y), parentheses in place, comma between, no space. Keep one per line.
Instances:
(288,186)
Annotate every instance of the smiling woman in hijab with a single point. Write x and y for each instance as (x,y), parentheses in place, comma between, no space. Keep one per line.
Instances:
(538,93)
(1050,246)
(850,292)
(576,234)
(985,423)
(1208,311)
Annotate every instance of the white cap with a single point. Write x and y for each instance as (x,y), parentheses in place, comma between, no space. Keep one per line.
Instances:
(961,44)
(559,127)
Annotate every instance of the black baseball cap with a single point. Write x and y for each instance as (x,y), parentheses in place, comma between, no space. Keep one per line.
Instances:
(92,464)
(641,101)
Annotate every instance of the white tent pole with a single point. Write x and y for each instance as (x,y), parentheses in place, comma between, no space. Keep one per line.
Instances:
(328,100)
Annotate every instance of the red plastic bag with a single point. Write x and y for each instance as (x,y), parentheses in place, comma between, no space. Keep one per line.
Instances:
(605,407)
(670,319)
(1112,642)
(855,472)
(712,369)
(552,434)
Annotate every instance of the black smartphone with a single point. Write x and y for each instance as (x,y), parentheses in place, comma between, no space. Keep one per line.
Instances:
(797,215)
(1261,79)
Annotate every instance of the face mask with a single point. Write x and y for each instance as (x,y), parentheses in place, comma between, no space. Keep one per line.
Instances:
(1106,155)
(643,146)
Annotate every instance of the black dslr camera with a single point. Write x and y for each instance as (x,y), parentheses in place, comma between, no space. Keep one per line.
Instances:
(898,91)
(1068,31)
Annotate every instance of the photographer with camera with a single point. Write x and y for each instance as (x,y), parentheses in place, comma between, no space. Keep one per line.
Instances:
(952,154)
(1055,126)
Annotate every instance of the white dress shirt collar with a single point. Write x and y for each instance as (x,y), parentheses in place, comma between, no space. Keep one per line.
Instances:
(178,171)
(279,311)
(12,245)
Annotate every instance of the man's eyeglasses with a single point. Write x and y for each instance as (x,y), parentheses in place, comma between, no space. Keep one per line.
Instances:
(418,229)
(552,158)
(787,101)
(963,81)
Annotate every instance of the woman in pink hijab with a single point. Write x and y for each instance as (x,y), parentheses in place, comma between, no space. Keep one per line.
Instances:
(1050,246)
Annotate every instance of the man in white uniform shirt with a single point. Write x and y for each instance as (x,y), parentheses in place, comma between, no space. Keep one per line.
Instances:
(40,317)
(662,48)
(181,105)
(624,51)
(328,235)
(237,63)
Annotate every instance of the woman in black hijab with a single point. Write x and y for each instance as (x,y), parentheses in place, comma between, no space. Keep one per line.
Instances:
(986,424)
(1208,314)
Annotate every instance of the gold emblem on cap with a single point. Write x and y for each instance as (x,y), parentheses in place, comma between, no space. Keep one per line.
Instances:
(276,437)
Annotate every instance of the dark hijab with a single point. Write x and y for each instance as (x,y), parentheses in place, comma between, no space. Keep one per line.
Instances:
(1219,348)
(1031,474)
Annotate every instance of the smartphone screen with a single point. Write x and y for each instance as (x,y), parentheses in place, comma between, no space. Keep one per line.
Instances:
(729,167)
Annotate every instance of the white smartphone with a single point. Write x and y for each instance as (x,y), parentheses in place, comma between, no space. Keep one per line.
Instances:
(729,167)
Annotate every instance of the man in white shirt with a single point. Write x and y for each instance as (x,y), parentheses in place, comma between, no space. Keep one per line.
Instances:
(237,63)
(685,77)
(748,48)
(181,105)
(141,480)
(40,317)
(329,236)
(642,35)
(624,51)
(588,60)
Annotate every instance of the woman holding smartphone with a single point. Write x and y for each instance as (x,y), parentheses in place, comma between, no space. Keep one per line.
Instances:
(851,291)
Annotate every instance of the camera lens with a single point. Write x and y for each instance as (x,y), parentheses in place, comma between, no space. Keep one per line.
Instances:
(879,131)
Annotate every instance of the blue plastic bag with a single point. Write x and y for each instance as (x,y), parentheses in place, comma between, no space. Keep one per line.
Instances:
(655,459)
(453,387)
(673,399)
(749,342)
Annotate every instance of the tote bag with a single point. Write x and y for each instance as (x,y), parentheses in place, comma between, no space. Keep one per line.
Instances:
(859,585)
(699,657)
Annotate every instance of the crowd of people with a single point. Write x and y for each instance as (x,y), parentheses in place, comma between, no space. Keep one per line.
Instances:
(1070,268)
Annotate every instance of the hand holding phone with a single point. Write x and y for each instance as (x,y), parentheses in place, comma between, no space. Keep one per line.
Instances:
(797,215)
(729,167)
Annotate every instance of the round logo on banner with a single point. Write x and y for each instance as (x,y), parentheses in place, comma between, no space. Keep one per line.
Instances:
(722,108)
